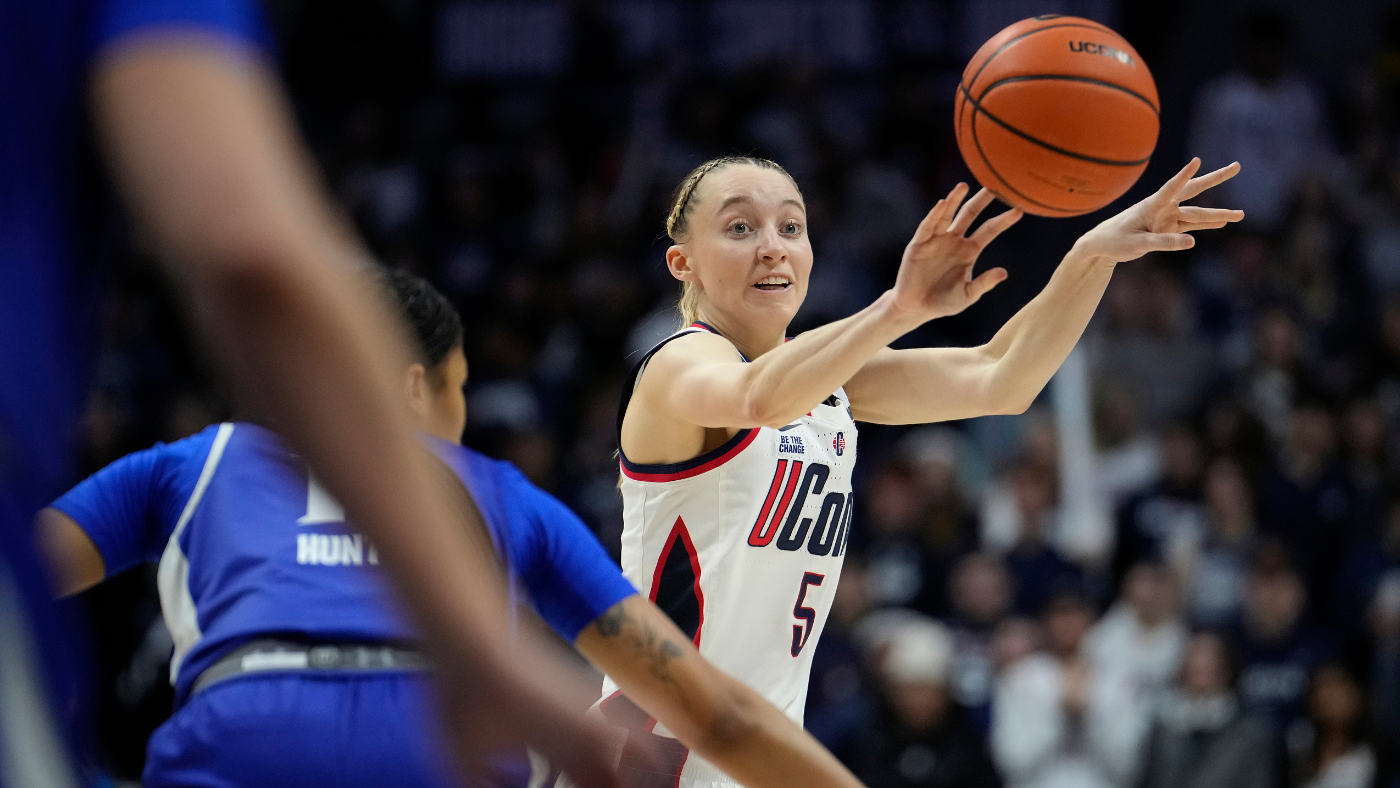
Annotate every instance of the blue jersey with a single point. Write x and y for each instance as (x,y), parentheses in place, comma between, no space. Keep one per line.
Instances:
(250,545)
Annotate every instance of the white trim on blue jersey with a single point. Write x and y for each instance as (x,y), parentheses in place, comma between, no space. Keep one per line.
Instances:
(173,577)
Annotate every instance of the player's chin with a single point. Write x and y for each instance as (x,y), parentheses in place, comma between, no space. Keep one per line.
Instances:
(772,304)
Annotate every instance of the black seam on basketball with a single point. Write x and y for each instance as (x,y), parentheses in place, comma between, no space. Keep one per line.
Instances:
(977,107)
(1002,48)
(1073,78)
(987,161)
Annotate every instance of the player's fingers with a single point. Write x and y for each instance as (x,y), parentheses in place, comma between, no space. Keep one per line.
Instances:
(935,220)
(1190,227)
(1169,242)
(995,226)
(984,282)
(1191,213)
(950,206)
(969,212)
(1209,180)
(1171,188)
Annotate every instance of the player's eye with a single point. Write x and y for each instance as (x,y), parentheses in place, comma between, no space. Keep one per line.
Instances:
(739,228)
(792,228)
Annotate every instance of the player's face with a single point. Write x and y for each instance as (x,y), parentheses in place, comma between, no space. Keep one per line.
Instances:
(445,412)
(748,250)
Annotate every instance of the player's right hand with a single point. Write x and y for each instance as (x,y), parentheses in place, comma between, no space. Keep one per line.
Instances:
(935,277)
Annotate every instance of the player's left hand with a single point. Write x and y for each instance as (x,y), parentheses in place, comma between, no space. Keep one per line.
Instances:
(1160,223)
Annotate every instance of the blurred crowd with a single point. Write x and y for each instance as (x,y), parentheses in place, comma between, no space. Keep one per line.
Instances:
(1237,623)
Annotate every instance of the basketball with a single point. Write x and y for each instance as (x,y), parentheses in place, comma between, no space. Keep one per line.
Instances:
(1057,115)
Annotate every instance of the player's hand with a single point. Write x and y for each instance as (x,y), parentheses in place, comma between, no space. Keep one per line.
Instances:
(483,715)
(935,277)
(1160,223)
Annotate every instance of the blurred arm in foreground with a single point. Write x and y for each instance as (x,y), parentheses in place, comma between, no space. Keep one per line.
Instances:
(203,147)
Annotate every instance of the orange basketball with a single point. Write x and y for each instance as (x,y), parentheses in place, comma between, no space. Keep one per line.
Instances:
(1057,115)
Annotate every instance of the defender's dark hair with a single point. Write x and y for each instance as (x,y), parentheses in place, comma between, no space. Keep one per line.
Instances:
(437,328)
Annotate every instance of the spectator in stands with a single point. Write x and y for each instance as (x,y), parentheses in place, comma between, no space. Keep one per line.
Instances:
(1340,756)
(839,690)
(1277,377)
(1371,557)
(1060,721)
(981,594)
(1262,116)
(1142,634)
(902,572)
(1278,650)
(921,738)
(1307,504)
(1036,565)
(1384,620)
(948,525)
(1158,520)
(1364,462)
(1215,569)
(1201,737)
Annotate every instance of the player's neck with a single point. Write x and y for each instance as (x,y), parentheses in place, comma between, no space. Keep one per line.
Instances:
(752,341)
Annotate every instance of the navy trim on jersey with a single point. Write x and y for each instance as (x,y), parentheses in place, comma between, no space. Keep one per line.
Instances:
(695,466)
(675,584)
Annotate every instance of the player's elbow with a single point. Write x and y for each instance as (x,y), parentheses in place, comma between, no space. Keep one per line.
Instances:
(731,724)
(1012,405)
(763,407)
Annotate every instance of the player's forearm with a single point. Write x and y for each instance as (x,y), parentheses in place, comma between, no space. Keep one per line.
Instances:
(710,712)
(765,749)
(1033,344)
(790,380)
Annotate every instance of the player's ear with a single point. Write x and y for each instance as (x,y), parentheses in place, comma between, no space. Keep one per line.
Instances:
(679,264)
(417,388)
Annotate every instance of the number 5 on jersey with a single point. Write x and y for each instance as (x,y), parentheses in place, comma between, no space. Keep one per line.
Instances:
(802,632)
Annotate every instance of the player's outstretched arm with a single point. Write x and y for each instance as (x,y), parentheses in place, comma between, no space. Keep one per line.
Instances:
(699,379)
(713,714)
(1006,374)
(202,144)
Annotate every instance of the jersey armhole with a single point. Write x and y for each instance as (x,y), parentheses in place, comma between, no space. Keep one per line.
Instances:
(635,378)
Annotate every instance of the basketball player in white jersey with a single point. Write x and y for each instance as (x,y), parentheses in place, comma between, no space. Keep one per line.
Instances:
(737,445)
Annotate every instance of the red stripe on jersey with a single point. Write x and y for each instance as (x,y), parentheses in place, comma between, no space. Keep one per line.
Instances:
(794,476)
(758,537)
(678,531)
(681,768)
(708,465)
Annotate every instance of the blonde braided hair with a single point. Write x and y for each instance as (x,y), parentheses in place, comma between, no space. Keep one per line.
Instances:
(677,222)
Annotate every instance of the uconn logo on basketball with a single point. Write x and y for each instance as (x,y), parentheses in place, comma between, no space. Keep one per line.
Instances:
(1102,49)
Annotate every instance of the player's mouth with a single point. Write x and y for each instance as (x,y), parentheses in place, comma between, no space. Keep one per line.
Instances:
(773,283)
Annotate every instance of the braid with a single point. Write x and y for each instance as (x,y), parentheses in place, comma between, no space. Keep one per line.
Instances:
(677,221)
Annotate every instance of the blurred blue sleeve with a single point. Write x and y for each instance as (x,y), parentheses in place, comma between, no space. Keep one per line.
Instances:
(129,509)
(571,579)
(240,21)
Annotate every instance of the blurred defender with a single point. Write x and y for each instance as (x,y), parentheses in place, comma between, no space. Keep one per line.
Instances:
(297,640)
(201,143)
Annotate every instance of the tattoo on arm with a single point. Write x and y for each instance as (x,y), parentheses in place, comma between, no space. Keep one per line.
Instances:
(643,639)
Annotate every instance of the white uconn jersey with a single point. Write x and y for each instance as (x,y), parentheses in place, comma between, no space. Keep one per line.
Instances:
(742,548)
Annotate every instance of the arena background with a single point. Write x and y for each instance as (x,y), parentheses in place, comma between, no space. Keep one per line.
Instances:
(1245,396)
